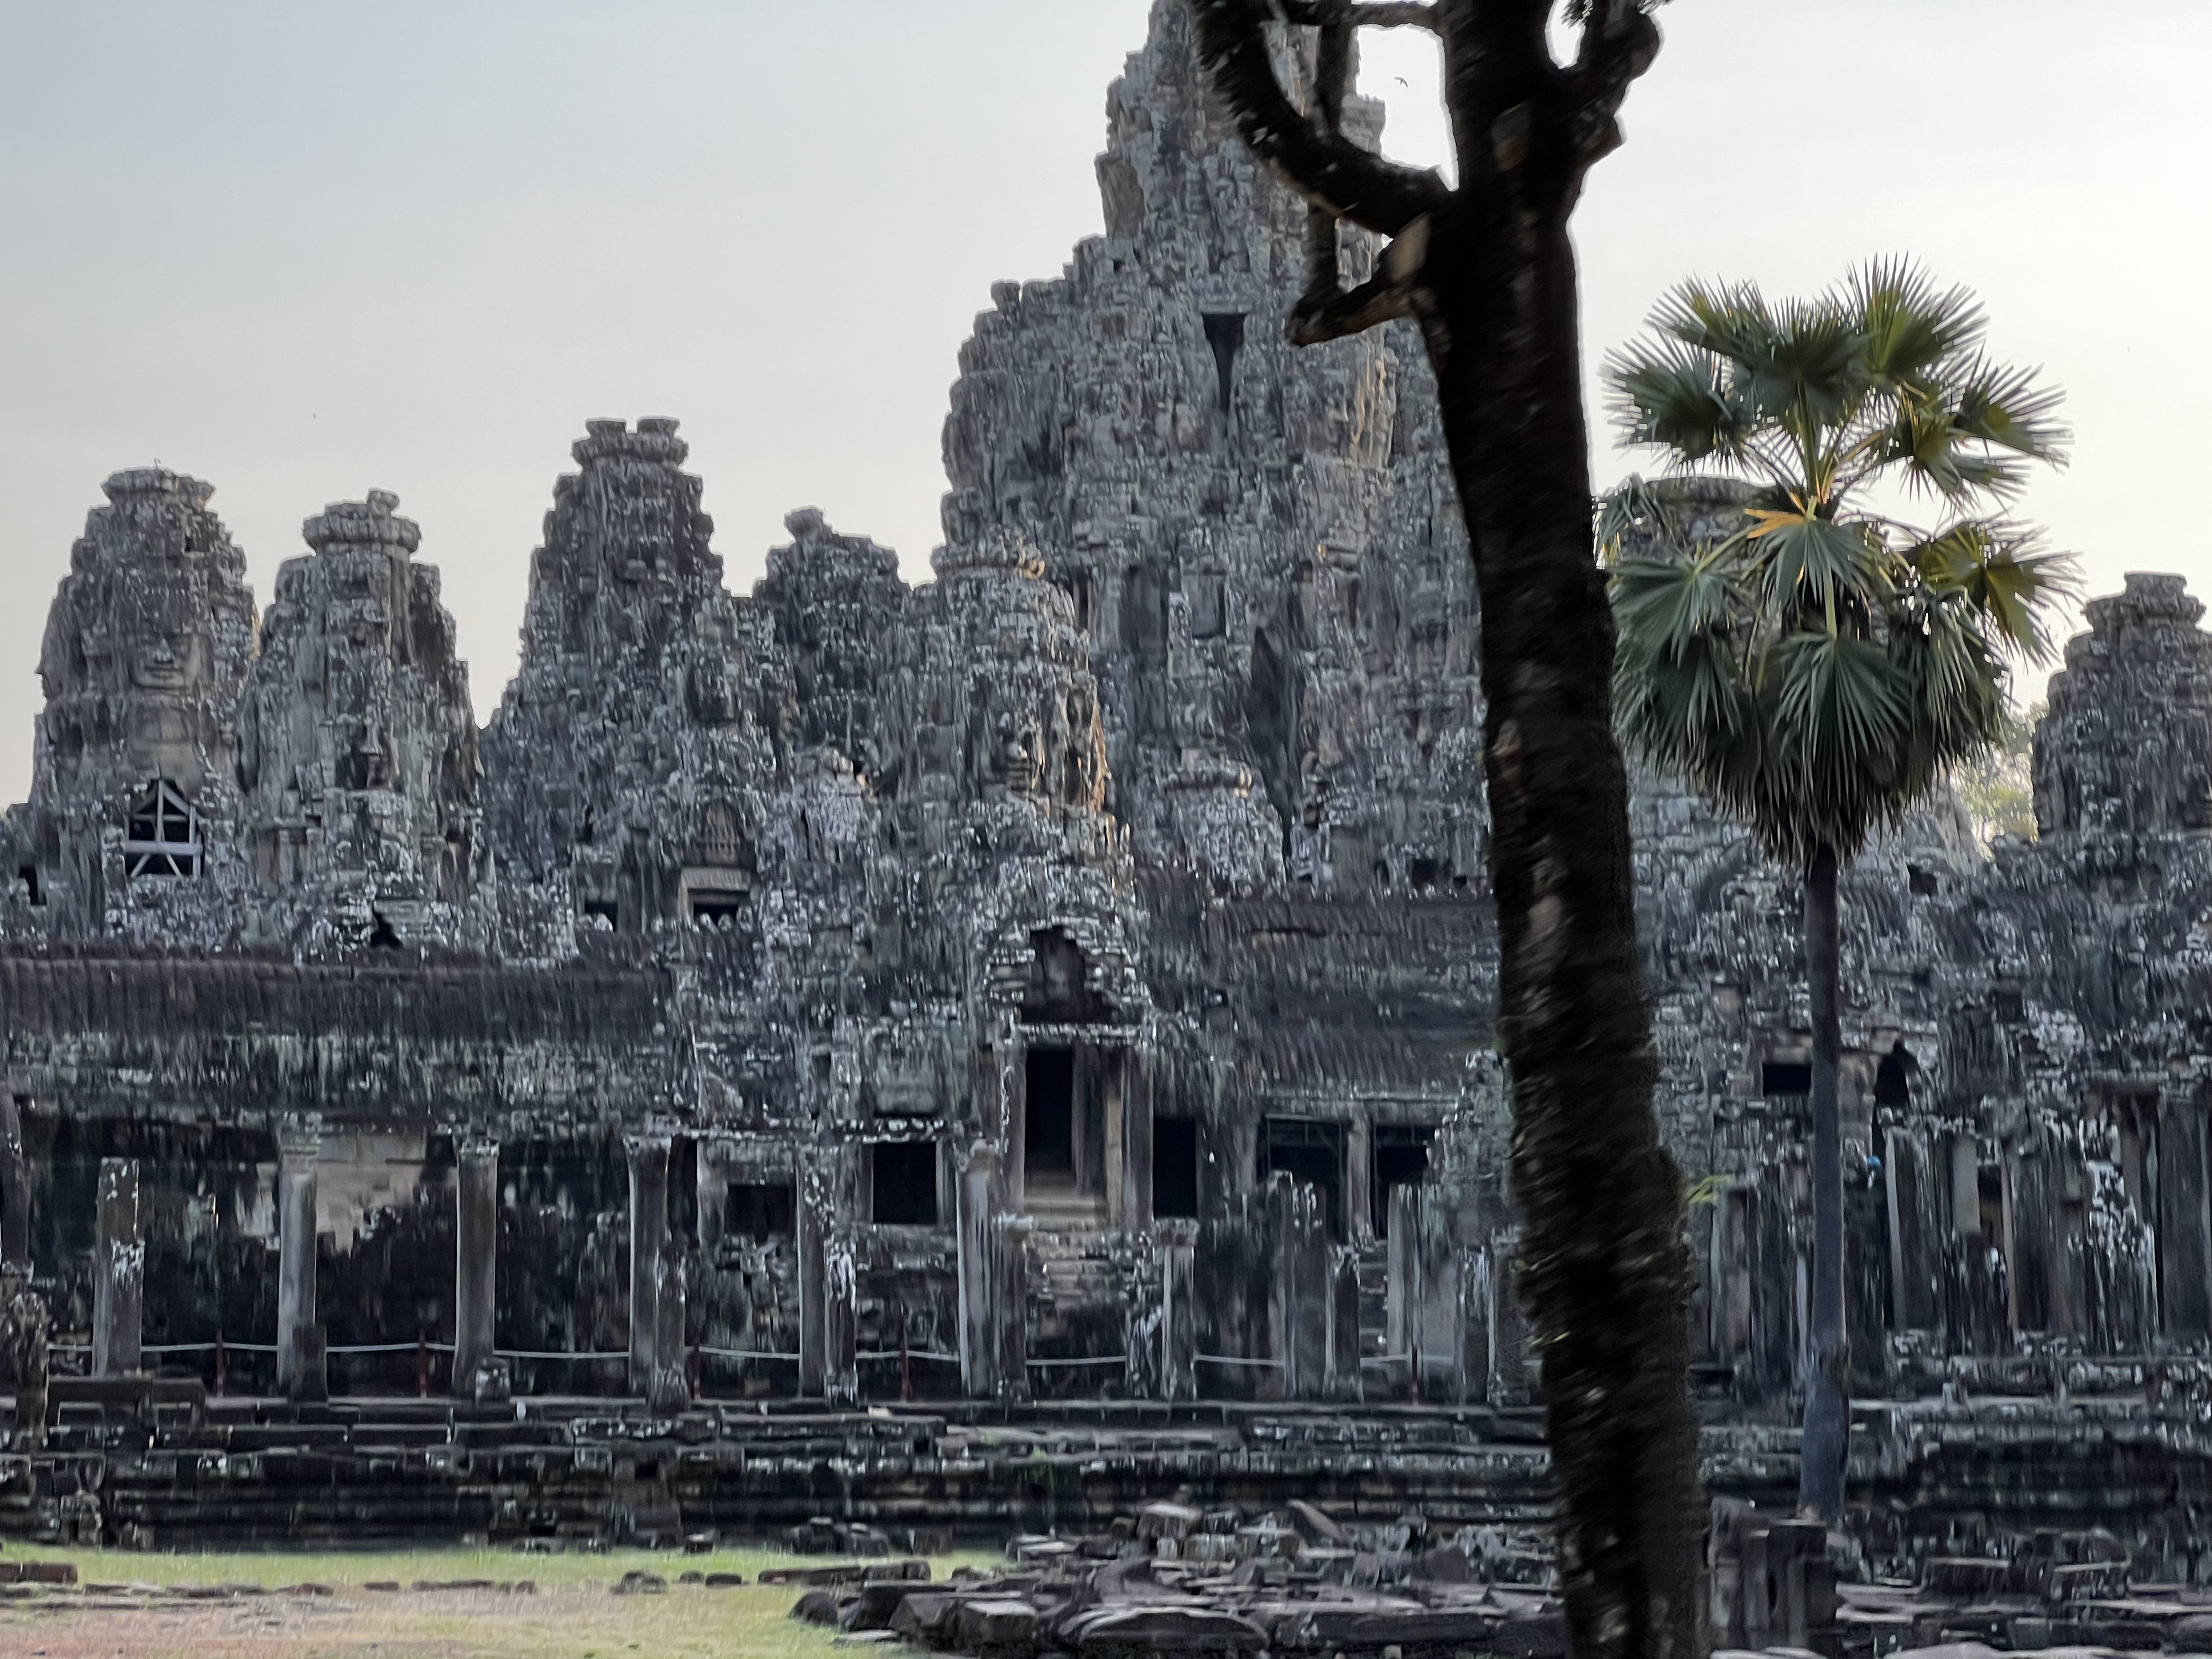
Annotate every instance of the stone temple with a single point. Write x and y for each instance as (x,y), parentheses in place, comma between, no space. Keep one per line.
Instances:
(1061,990)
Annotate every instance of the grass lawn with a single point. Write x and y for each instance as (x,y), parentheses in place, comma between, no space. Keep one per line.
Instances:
(574,1615)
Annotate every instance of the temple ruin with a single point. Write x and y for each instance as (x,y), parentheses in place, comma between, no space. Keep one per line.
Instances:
(1058,993)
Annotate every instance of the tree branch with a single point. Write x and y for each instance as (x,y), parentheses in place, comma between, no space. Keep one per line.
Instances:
(1335,316)
(1393,291)
(1332,58)
(1325,167)
(1618,42)
(1370,15)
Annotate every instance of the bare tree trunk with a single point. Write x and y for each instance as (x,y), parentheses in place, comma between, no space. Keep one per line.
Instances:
(1600,1201)
(1489,271)
(1827,1419)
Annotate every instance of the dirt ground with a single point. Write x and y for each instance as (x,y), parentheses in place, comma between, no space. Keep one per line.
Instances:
(128,1606)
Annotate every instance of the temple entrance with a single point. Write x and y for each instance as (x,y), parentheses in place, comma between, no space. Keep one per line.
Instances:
(1071,1134)
(1401,1158)
(1049,1120)
(1310,1150)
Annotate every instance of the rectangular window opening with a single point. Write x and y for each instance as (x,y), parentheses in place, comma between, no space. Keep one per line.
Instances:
(162,837)
(1174,1168)
(905,1173)
(761,1210)
(1310,1150)
(716,907)
(606,910)
(1401,1159)
(1048,1118)
(28,875)
(1783,1077)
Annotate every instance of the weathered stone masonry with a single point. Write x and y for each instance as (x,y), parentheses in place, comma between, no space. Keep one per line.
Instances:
(1069,976)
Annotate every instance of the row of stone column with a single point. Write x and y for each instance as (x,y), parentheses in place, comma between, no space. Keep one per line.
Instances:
(1443,1305)
(656,1344)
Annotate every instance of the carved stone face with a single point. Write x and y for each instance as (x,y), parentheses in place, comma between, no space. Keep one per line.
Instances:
(168,647)
(1020,748)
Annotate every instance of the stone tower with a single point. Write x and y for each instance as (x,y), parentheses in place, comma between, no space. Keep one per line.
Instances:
(835,599)
(1262,540)
(2126,752)
(132,823)
(357,747)
(624,766)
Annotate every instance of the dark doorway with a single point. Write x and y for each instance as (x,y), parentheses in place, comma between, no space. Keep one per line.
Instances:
(1401,1158)
(1310,1150)
(1893,1079)
(905,1182)
(1174,1168)
(1048,1118)
(760,1211)
(1224,332)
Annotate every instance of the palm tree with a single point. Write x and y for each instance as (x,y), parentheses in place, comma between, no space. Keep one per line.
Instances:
(1809,663)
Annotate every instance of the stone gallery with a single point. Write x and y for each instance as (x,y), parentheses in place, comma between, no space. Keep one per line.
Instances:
(1060,991)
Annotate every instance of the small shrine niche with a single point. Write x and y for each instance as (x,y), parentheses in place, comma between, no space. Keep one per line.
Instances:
(1058,991)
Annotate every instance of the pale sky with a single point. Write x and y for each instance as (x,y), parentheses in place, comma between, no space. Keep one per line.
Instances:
(303,248)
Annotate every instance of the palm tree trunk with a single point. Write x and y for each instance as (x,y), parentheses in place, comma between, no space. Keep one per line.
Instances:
(1827,1416)
(1604,1267)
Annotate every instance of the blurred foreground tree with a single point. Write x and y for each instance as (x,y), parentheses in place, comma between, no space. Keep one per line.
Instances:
(1812,666)
(1488,271)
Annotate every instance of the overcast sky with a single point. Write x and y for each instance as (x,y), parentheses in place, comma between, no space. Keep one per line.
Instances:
(302,249)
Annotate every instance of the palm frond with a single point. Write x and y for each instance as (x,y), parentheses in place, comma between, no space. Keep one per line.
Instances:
(1808,371)
(2001,573)
(1807,559)
(1665,603)
(1838,713)
(2002,405)
(1730,322)
(1676,398)
(1642,507)
(1911,329)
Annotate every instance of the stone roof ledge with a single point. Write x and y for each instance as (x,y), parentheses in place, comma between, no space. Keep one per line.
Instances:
(654,440)
(371,523)
(157,481)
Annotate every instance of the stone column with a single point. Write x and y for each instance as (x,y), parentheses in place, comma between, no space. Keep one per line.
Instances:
(979,1301)
(841,1283)
(671,1388)
(1178,1248)
(1342,1379)
(1298,1315)
(476,1262)
(1110,1066)
(300,1373)
(1401,1293)
(1136,1171)
(1966,1185)
(814,1194)
(1513,1374)
(648,1247)
(1359,1175)
(14,1184)
(1010,1283)
(118,1271)
(713,1194)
